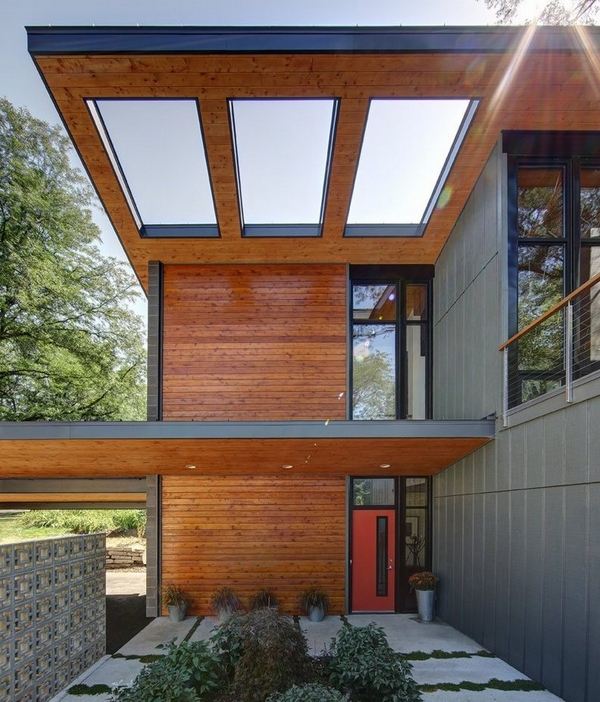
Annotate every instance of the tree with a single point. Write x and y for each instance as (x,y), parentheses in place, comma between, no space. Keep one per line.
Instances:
(71,348)
(551,12)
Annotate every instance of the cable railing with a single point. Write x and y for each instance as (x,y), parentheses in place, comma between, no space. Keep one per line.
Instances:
(556,349)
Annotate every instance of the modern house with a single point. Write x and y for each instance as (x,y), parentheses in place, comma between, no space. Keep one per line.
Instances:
(374,335)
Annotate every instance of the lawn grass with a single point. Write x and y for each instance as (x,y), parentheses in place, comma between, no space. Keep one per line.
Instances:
(11,530)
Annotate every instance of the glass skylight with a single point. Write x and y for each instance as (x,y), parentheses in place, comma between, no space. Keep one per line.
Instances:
(283,149)
(405,148)
(159,149)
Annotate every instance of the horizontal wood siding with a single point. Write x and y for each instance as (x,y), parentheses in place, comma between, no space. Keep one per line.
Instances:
(281,533)
(254,342)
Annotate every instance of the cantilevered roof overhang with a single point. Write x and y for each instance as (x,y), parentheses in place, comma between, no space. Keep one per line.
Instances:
(519,78)
(133,449)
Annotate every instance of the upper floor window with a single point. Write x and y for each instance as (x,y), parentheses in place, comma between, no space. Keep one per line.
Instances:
(554,246)
(390,345)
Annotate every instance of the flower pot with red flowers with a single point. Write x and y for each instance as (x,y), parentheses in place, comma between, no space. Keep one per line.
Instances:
(424,585)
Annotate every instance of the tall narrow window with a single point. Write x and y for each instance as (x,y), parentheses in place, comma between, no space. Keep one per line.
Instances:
(554,229)
(390,349)
(382,556)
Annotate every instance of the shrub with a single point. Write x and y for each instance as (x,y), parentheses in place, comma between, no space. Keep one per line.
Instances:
(364,664)
(308,693)
(225,600)
(172,596)
(423,581)
(262,599)
(86,521)
(190,672)
(313,597)
(264,652)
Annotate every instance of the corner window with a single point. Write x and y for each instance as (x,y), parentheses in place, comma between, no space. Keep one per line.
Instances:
(390,347)
(554,245)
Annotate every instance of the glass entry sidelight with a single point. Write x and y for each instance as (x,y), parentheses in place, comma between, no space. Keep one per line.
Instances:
(389,540)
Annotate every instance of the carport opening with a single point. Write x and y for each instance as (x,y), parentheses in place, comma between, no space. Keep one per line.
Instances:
(125,530)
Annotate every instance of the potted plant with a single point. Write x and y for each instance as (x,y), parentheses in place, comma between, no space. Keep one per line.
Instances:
(315,604)
(224,603)
(175,602)
(424,584)
(263,599)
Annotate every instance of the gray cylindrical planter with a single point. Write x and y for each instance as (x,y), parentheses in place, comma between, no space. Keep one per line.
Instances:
(316,614)
(425,604)
(177,612)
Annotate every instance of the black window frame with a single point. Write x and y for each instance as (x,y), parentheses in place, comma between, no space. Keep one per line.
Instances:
(401,277)
(573,152)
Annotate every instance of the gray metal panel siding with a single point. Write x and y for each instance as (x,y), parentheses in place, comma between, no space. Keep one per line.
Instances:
(517,523)
(155,295)
(466,311)
(517,548)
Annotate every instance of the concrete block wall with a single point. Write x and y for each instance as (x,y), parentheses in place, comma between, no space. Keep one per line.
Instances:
(52,614)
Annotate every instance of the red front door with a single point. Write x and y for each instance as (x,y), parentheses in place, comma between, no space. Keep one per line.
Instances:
(373,560)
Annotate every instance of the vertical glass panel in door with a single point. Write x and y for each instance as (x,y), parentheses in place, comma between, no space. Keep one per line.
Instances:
(374,302)
(416,352)
(540,194)
(373,371)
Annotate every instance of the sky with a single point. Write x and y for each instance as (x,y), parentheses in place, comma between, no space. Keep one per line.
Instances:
(21,84)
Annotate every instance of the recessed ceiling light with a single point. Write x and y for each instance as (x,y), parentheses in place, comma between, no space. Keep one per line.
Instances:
(287,466)
(190,466)
(385,465)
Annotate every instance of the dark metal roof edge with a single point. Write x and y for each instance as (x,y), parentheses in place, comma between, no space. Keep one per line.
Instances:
(247,430)
(173,39)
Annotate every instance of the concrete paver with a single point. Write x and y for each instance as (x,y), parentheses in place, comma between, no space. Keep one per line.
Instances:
(404,632)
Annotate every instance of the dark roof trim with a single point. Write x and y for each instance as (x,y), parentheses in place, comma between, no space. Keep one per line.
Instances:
(247,430)
(257,40)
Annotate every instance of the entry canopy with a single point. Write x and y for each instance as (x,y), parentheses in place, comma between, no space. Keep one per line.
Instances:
(314,145)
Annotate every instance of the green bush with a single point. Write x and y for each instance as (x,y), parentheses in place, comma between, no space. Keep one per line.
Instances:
(86,521)
(364,665)
(310,692)
(263,652)
(190,672)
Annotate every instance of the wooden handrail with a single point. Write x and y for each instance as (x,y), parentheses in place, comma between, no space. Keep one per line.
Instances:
(548,313)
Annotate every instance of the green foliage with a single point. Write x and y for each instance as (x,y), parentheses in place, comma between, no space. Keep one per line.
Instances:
(190,672)
(86,521)
(364,664)
(308,693)
(552,12)
(81,689)
(373,384)
(493,684)
(264,653)
(71,348)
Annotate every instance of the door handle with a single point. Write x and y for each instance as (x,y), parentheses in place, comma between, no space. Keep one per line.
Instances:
(391,565)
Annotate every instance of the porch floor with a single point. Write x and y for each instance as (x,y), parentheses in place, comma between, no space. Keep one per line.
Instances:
(405,634)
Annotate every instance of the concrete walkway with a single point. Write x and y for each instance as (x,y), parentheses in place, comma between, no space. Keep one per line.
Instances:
(405,634)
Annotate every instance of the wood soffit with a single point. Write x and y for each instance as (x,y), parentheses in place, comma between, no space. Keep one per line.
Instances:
(516,89)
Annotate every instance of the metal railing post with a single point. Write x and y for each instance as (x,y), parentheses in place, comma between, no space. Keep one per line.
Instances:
(505,386)
(569,353)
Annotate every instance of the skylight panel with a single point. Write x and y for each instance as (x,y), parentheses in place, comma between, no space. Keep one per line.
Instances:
(407,150)
(283,151)
(158,148)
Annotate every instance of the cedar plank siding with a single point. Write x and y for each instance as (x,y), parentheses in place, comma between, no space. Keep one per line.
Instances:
(254,342)
(281,533)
